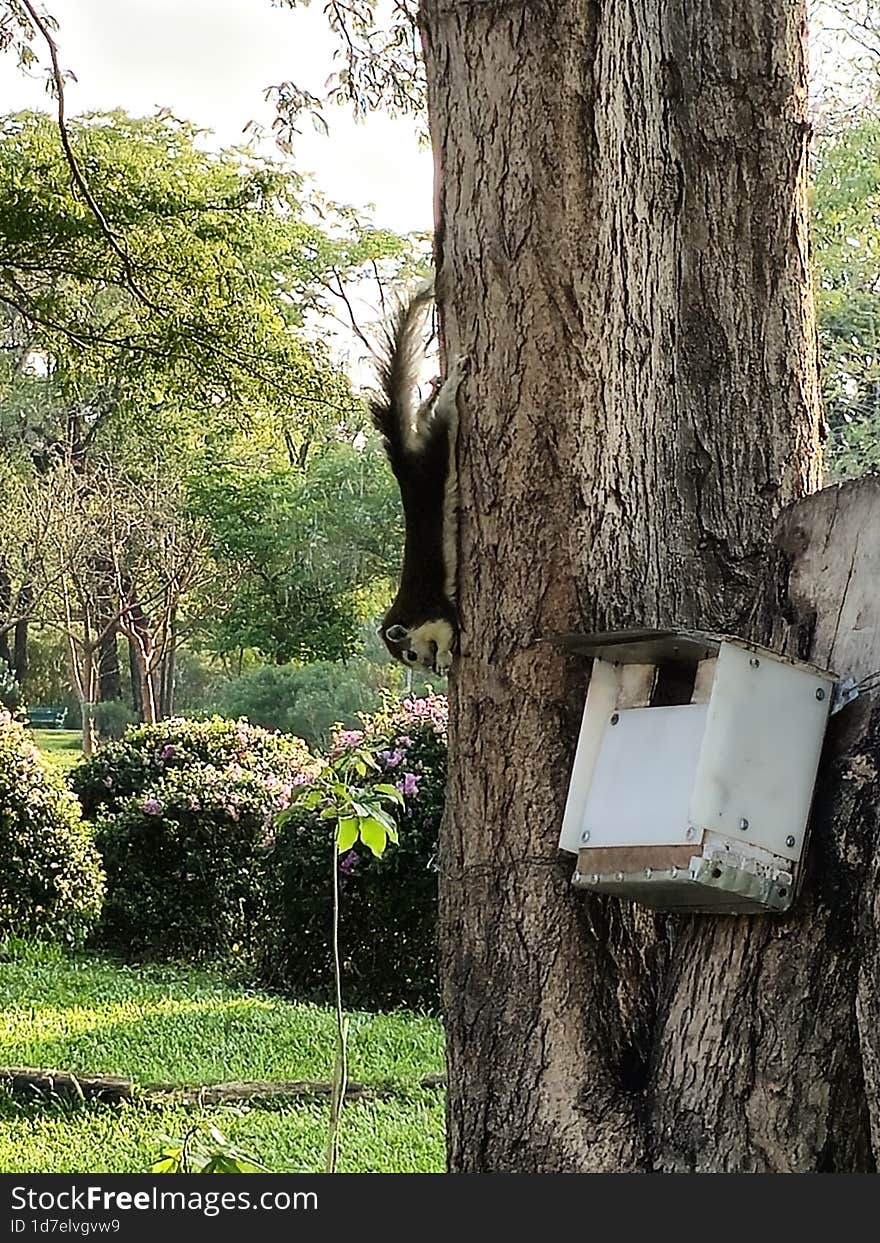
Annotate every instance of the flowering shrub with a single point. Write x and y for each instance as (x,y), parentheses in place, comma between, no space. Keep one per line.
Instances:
(389,904)
(148,753)
(51,882)
(184,815)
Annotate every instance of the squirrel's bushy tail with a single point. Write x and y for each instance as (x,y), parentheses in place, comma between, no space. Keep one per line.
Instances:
(398,371)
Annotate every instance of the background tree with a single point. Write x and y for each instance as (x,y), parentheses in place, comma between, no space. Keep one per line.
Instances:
(203,339)
(300,546)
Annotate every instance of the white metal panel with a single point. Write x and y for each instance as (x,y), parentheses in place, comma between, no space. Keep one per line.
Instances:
(643,778)
(601,702)
(758,762)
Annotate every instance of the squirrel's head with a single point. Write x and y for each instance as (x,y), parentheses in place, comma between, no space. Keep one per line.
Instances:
(429,645)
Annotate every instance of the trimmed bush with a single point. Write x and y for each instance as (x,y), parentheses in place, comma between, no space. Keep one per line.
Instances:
(184,815)
(388,905)
(51,881)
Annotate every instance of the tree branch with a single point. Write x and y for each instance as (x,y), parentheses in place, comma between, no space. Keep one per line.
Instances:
(115,240)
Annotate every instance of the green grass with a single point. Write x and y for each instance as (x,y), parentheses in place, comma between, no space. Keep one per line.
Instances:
(175,1025)
(385,1137)
(63,746)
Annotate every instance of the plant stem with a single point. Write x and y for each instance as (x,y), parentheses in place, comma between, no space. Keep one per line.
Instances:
(340,1066)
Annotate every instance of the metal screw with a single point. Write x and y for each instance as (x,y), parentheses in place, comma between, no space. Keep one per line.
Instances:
(743,824)
(585,837)
(649,872)
(615,718)
(691,833)
(673,872)
(619,877)
(594,879)
(789,841)
(820,694)
(754,662)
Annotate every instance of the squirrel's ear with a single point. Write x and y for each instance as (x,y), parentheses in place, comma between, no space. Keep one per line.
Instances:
(396,634)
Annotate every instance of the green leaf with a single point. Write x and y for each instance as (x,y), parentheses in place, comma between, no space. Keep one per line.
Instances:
(168,1165)
(388,791)
(373,835)
(347,833)
(384,819)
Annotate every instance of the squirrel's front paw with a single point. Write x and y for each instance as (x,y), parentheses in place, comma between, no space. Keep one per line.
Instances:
(443,663)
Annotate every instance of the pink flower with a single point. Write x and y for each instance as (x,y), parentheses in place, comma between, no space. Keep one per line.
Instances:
(346,739)
(348,863)
(152,807)
(410,783)
(169,751)
(392,758)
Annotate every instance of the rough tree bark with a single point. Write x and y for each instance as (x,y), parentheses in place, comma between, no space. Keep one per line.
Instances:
(622,251)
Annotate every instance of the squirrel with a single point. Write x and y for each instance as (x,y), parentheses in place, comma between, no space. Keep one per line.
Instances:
(420,628)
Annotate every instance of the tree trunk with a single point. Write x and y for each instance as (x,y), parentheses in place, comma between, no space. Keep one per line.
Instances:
(622,252)
(21,635)
(87,709)
(137,690)
(5,611)
(167,669)
(109,672)
(140,649)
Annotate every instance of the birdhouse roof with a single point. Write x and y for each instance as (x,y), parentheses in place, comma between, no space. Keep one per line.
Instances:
(652,647)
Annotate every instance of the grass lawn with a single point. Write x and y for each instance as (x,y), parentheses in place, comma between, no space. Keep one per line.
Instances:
(171,1025)
(64,746)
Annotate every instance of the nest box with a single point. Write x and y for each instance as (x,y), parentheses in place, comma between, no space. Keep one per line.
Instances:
(694,771)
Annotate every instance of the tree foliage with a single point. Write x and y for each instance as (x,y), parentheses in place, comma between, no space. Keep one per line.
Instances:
(189,364)
(299,546)
(227,273)
(846,235)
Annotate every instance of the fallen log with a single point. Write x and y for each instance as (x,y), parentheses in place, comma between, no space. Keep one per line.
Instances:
(27,1080)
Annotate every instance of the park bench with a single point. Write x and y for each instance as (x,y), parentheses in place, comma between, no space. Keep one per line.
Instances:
(47,718)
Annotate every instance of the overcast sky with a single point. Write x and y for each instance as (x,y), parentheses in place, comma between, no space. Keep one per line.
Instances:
(211,61)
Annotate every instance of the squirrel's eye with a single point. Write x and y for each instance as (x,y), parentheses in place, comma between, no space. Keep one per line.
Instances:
(410,656)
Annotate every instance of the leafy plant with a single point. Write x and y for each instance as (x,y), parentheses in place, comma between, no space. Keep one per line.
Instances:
(112,718)
(390,953)
(183,816)
(356,812)
(51,880)
(204,1149)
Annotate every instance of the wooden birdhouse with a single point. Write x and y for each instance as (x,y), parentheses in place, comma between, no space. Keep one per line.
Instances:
(694,771)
